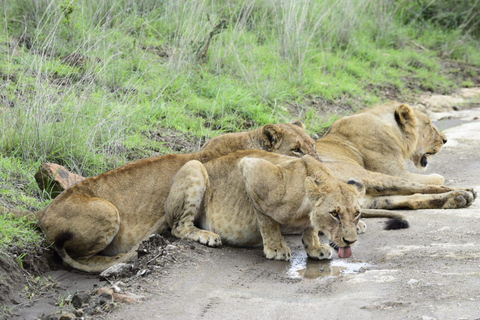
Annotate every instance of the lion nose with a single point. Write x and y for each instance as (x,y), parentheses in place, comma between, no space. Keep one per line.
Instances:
(349,242)
(444,140)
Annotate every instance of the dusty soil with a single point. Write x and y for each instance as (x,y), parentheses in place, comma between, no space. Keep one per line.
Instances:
(429,271)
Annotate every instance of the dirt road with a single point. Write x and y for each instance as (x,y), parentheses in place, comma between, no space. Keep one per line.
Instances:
(429,271)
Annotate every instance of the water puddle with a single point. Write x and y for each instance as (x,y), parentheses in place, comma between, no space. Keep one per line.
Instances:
(302,267)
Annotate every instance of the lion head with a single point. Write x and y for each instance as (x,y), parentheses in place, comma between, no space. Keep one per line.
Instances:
(429,142)
(289,139)
(422,137)
(336,210)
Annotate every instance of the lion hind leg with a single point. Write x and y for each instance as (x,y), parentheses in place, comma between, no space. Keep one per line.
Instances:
(379,184)
(448,200)
(91,222)
(264,183)
(184,204)
(99,263)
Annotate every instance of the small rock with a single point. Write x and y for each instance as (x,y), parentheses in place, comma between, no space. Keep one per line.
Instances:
(104,298)
(413,281)
(66,316)
(120,284)
(79,313)
(54,178)
(142,272)
(116,288)
(104,301)
(105,290)
(79,299)
(171,247)
(126,297)
(118,270)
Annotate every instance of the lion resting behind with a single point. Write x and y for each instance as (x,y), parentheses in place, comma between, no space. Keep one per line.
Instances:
(246,199)
(374,144)
(100,221)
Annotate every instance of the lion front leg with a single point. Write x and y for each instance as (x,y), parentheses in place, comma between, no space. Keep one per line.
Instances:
(184,204)
(274,245)
(313,247)
(433,179)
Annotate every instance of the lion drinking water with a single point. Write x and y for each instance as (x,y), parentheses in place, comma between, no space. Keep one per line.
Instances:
(247,198)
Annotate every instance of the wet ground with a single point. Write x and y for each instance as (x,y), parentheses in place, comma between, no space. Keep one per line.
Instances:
(429,271)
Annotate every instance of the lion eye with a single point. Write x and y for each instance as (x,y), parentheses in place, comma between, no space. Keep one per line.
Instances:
(297,150)
(334,214)
(357,214)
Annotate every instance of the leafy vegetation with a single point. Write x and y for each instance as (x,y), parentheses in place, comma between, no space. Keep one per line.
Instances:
(94,84)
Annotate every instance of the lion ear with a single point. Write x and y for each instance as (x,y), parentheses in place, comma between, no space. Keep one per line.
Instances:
(405,116)
(298,123)
(313,191)
(357,183)
(271,134)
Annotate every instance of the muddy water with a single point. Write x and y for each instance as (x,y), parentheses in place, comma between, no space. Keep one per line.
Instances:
(302,267)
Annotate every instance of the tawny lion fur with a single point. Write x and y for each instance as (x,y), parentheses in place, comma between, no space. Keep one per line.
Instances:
(100,221)
(373,146)
(247,198)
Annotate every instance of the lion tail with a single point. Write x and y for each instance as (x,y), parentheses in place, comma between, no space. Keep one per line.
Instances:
(396,220)
(97,263)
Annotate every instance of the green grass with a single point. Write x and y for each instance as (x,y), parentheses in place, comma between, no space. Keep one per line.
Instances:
(19,233)
(18,189)
(142,73)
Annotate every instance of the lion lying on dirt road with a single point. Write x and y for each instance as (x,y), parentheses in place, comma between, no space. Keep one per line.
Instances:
(247,198)
(373,146)
(100,221)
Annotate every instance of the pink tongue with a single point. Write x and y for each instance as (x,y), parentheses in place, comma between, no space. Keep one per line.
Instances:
(344,252)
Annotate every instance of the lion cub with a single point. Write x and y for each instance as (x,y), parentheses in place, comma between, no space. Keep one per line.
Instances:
(247,197)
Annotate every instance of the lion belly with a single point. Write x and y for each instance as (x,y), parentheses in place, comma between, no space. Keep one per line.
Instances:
(233,218)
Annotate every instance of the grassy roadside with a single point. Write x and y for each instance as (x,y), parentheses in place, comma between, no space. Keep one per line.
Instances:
(94,84)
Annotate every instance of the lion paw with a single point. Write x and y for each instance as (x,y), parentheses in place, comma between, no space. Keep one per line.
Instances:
(474,193)
(207,237)
(280,252)
(436,179)
(320,252)
(460,199)
(361,227)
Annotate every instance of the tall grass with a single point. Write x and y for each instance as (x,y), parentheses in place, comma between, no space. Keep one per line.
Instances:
(85,82)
